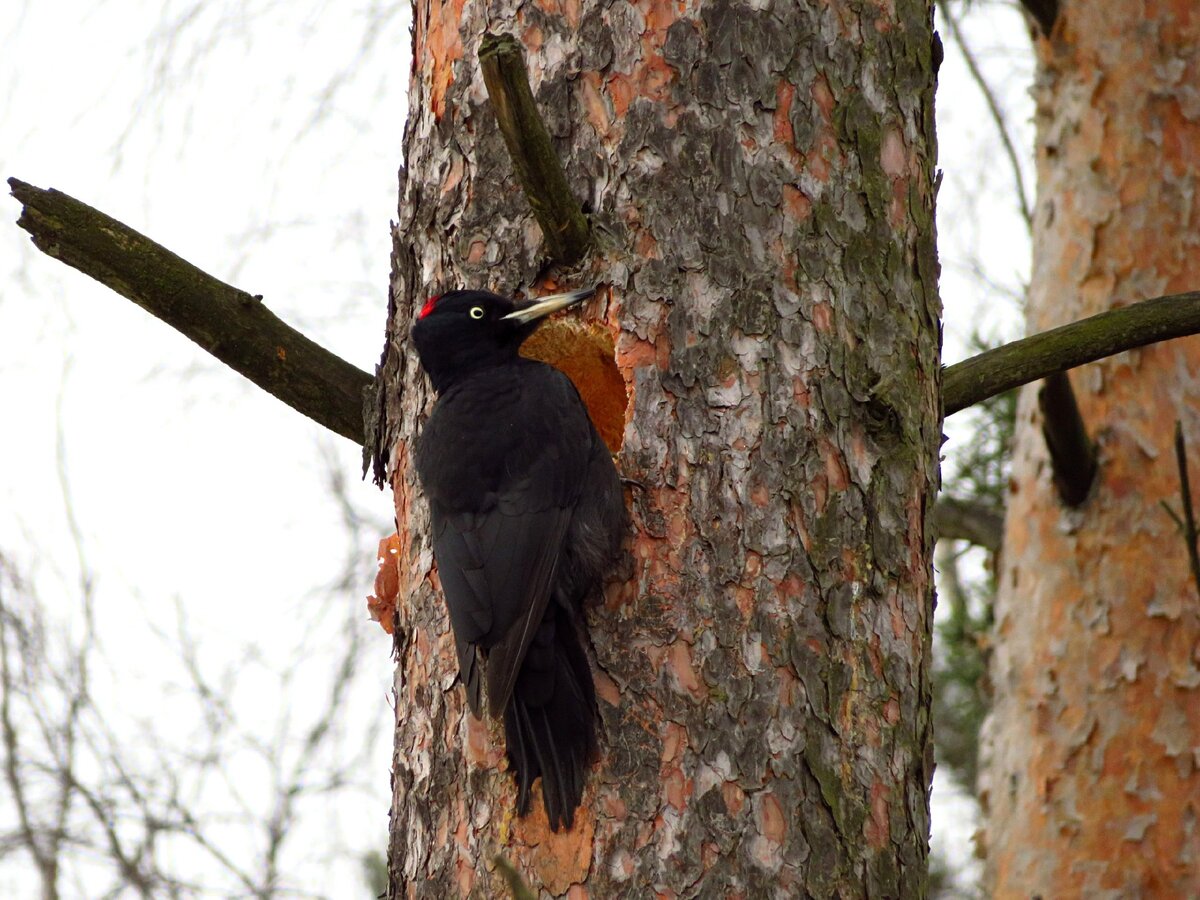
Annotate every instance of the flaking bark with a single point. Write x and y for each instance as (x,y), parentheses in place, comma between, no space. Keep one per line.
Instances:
(1089,776)
(762,179)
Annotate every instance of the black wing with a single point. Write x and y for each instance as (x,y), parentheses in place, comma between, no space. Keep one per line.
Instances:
(496,571)
(502,460)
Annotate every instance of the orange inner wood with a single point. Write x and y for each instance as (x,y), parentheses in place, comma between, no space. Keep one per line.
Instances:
(584,352)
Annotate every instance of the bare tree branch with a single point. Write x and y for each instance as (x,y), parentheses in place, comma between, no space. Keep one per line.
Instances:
(129,867)
(28,836)
(538,168)
(1059,349)
(962,520)
(232,325)
(240,331)
(77,688)
(1044,12)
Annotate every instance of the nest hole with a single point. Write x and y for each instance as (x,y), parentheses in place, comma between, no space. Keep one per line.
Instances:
(585,353)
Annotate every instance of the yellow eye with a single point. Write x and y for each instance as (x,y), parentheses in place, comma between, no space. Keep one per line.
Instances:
(476,312)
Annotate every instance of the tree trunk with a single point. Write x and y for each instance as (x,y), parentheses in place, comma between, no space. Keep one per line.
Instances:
(759,182)
(1090,785)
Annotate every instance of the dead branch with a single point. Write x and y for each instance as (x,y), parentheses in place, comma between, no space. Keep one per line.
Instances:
(232,325)
(538,168)
(1072,455)
(1044,12)
(236,328)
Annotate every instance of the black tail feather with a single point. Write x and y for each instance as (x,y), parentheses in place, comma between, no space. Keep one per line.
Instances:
(549,724)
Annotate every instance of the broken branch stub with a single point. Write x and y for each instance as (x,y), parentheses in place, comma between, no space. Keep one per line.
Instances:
(564,226)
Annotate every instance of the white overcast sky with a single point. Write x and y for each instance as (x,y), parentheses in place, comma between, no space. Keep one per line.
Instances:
(260,140)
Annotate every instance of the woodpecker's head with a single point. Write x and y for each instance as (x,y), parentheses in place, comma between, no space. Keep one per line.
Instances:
(461,331)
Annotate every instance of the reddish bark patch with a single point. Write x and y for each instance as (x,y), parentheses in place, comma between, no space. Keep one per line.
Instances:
(891,711)
(675,790)
(836,474)
(822,317)
(594,105)
(892,155)
(622,92)
(674,742)
(877,829)
(824,97)
(788,687)
(381,605)
(796,204)
(444,48)
(898,208)
(554,860)
(647,245)
(800,392)
(635,353)
(771,823)
(785,95)
(478,745)
(613,807)
(454,175)
(533,40)
(607,690)
(734,797)
(464,876)
(744,598)
(819,162)
(679,664)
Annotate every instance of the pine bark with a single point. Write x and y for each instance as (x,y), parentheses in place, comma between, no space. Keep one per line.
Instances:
(759,182)
(1090,784)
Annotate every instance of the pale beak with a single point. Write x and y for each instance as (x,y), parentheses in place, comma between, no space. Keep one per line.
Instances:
(544,306)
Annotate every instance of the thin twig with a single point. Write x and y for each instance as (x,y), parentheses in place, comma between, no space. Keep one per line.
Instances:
(993,105)
(129,867)
(28,831)
(78,688)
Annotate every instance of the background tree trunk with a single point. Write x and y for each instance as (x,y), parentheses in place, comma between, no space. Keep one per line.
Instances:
(1090,786)
(760,185)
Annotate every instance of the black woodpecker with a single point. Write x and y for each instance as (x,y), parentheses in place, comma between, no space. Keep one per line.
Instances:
(527,517)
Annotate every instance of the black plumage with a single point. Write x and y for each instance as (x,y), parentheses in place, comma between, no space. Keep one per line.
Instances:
(527,516)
